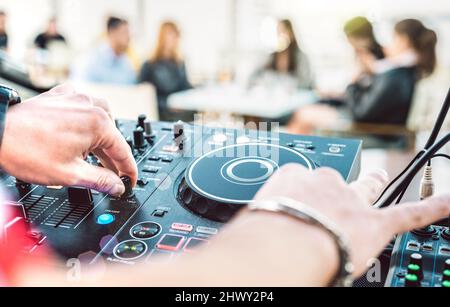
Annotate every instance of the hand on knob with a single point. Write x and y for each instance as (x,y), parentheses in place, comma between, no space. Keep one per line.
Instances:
(48,137)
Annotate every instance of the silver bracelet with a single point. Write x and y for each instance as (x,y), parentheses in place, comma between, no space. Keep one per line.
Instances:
(307,214)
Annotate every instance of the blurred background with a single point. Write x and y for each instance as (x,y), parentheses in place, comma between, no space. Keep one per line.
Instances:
(221,53)
(224,36)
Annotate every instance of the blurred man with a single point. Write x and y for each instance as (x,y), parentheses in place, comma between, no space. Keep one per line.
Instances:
(110,63)
(3,34)
(50,35)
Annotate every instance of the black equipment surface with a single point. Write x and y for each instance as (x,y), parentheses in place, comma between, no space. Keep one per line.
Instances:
(192,179)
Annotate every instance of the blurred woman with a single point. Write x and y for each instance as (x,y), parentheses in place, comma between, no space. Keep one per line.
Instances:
(360,35)
(388,97)
(166,71)
(289,59)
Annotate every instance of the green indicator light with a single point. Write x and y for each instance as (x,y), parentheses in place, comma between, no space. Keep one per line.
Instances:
(447,273)
(446,284)
(412,277)
(414,267)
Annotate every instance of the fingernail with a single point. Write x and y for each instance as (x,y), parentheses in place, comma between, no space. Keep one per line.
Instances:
(118,190)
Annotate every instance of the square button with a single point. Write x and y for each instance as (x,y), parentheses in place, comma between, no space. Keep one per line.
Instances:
(193,243)
(154,158)
(151,170)
(167,159)
(170,242)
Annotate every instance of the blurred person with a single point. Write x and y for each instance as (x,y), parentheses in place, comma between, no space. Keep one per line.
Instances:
(110,63)
(51,34)
(289,59)
(387,98)
(166,71)
(3,32)
(361,37)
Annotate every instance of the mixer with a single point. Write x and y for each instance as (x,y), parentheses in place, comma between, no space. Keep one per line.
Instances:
(192,180)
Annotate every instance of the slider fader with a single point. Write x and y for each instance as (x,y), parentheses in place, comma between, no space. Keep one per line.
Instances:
(192,180)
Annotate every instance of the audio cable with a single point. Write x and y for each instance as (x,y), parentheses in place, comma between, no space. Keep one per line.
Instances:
(422,159)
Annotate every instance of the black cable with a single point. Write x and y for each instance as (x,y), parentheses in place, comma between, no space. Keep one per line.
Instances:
(439,122)
(399,199)
(400,175)
(441,156)
(411,173)
(400,191)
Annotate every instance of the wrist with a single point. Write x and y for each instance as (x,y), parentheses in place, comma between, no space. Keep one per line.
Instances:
(312,251)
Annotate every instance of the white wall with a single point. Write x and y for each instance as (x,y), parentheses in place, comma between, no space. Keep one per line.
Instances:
(207,27)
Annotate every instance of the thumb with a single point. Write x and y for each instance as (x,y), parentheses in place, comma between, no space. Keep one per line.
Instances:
(100,179)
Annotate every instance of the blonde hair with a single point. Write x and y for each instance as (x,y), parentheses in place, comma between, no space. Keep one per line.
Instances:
(159,50)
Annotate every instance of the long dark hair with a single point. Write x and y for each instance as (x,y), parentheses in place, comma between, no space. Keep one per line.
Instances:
(423,40)
(292,49)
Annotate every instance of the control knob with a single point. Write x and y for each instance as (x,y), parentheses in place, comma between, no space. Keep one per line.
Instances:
(139,139)
(141,121)
(128,187)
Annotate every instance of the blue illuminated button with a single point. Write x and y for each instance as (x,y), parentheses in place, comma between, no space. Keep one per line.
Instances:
(105,219)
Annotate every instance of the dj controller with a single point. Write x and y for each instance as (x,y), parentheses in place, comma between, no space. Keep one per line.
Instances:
(192,180)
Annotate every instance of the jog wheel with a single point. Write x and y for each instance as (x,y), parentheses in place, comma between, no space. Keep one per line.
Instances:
(223,181)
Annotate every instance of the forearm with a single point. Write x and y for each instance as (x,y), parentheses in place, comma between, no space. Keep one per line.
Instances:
(238,257)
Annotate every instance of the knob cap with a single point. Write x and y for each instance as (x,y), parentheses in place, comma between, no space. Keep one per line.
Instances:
(447,264)
(128,187)
(148,128)
(412,280)
(138,136)
(79,195)
(416,259)
(141,121)
(178,130)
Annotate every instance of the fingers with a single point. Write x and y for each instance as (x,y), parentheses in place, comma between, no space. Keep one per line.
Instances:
(370,186)
(409,216)
(63,89)
(103,104)
(98,178)
(73,95)
(117,151)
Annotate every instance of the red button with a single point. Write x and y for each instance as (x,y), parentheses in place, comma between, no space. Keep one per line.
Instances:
(182,227)
(170,242)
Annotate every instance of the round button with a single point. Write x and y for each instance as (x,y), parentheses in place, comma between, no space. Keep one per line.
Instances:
(130,250)
(105,219)
(145,231)
(335,149)
(249,170)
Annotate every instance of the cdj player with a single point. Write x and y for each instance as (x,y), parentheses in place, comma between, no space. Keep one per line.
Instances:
(192,180)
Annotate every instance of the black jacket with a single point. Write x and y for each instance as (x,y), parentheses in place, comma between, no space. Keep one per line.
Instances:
(387,100)
(168,77)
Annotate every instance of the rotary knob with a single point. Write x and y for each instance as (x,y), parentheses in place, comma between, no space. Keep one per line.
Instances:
(139,139)
(208,208)
(128,187)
